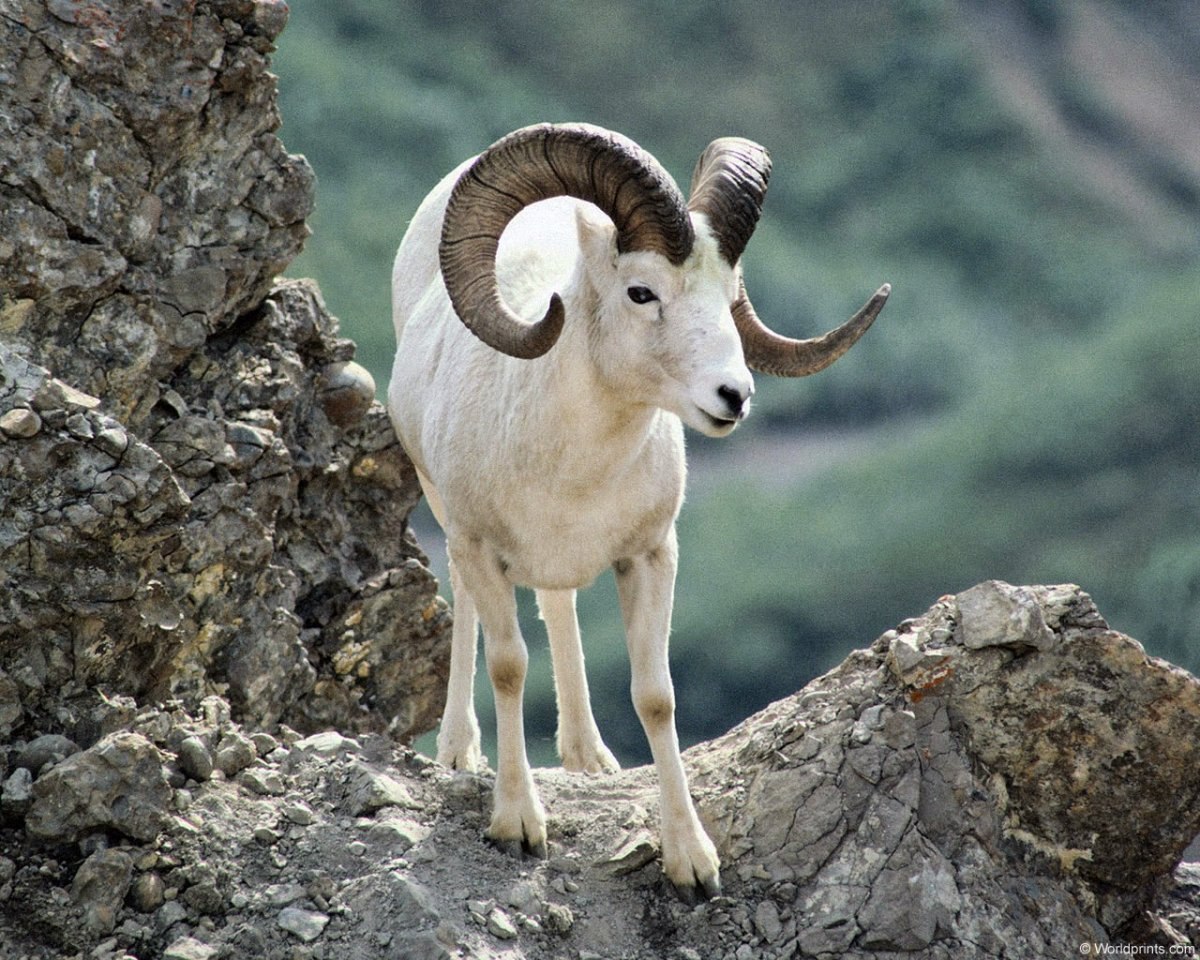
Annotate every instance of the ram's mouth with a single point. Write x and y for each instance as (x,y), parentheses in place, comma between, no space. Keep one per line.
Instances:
(717,426)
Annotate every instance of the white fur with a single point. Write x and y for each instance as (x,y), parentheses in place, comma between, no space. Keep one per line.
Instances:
(545,472)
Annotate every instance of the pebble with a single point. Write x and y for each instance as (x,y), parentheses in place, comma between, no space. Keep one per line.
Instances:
(373,791)
(195,760)
(234,753)
(328,744)
(40,751)
(305,924)
(16,795)
(500,925)
(298,812)
(264,743)
(189,948)
(20,423)
(264,782)
(147,892)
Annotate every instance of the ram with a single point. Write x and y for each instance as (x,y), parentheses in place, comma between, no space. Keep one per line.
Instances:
(552,449)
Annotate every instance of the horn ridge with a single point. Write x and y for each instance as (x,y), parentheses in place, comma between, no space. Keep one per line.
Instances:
(729,185)
(537,163)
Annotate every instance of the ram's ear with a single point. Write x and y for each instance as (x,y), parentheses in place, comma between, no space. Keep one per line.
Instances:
(597,239)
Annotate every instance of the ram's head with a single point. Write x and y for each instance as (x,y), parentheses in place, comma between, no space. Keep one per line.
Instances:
(664,271)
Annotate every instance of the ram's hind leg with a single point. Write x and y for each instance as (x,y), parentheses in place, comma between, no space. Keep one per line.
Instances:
(518,818)
(458,737)
(579,741)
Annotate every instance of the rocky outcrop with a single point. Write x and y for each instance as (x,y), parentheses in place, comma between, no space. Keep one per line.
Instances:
(1002,776)
(200,494)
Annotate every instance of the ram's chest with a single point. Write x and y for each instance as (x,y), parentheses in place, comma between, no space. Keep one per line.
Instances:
(557,537)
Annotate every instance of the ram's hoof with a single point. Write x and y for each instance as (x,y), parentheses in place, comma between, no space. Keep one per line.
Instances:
(519,849)
(694,893)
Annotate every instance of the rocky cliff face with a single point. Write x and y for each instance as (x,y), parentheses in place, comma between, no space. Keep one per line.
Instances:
(200,494)
(211,611)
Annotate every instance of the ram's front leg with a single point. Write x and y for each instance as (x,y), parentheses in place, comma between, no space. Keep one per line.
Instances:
(646,586)
(518,818)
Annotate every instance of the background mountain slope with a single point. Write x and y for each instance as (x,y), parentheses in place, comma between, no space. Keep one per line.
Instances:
(1026,174)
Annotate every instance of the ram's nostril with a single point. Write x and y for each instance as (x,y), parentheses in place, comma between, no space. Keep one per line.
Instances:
(735,399)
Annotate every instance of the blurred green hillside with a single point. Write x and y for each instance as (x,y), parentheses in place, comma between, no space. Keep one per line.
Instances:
(1025,174)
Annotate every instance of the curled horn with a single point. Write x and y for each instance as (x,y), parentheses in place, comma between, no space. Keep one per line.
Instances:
(536,163)
(728,186)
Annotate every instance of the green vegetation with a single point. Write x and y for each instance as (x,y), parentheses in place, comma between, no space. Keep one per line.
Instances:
(1035,374)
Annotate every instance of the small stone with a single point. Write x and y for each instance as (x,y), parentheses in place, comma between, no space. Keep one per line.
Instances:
(17,793)
(266,783)
(195,760)
(305,924)
(523,896)
(100,886)
(112,440)
(50,748)
(117,784)
(373,791)
(146,894)
(348,391)
(298,812)
(356,847)
(264,743)
(559,919)
(20,423)
(397,836)
(234,753)
(637,851)
(282,894)
(204,897)
(328,744)
(189,948)
(500,925)
(767,922)
(997,614)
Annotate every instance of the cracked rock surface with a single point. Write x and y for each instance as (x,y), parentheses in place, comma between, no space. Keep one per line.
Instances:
(200,494)
(883,811)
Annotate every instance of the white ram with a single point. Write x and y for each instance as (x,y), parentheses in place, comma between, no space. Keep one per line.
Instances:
(551,450)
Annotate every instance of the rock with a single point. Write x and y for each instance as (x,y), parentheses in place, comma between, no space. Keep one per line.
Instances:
(328,743)
(234,753)
(372,790)
(100,886)
(267,783)
(146,893)
(49,748)
(118,784)
(196,466)
(16,795)
(638,850)
(996,614)
(299,812)
(305,924)
(20,423)
(195,760)
(500,925)
(934,756)
(189,948)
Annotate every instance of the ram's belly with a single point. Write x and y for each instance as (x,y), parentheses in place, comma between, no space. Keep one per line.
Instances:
(566,547)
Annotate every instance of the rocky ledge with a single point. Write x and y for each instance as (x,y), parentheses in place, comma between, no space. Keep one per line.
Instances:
(1004,770)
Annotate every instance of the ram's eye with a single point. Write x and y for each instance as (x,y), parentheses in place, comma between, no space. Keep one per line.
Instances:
(641,294)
